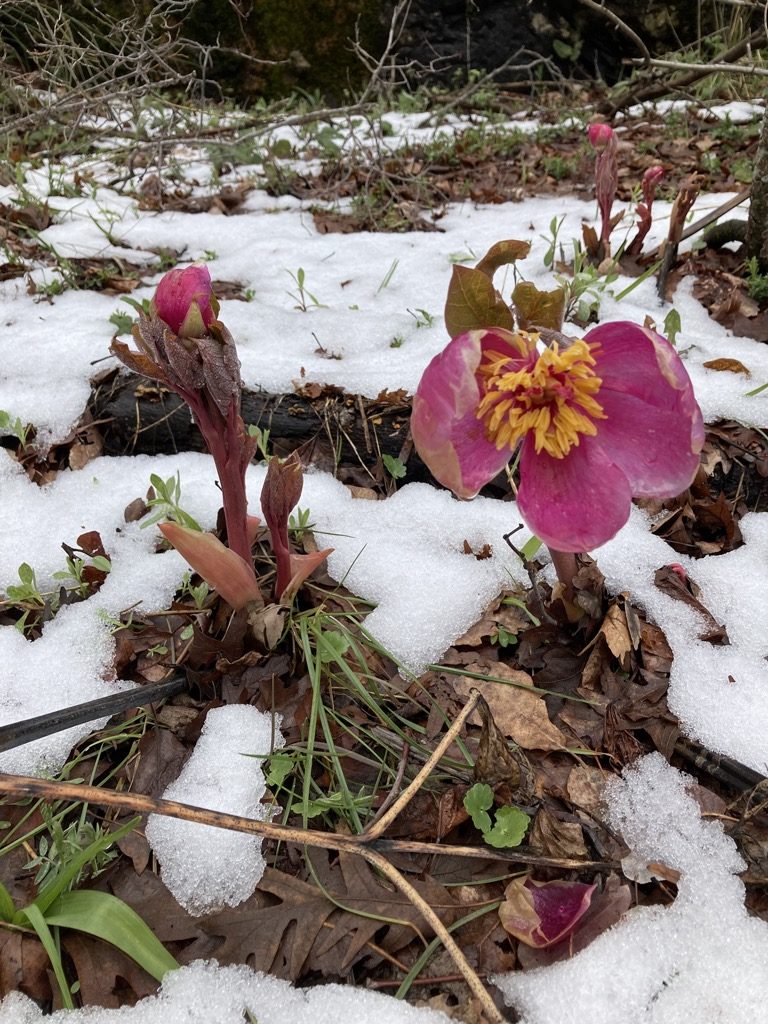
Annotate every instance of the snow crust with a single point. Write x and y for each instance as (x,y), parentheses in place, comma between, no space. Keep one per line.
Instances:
(703,958)
(208,868)
(205,993)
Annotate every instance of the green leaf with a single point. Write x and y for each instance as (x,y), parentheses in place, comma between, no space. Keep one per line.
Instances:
(502,253)
(100,562)
(109,918)
(7,909)
(280,767)
(26,574)
(510,828)
(529,549)
(474,303)
(395,467)
(542,309)
(477,801)
(331,645)
(38,922)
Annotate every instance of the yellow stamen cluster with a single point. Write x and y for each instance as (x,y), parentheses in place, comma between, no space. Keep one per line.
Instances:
(551,395)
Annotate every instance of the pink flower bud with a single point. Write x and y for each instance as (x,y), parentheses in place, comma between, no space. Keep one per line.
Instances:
(651,179)
(185,301)
(599,135)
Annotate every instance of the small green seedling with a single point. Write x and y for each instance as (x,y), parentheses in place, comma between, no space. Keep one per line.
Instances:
(511,823)
(394,466)
(672,326)
(167,503)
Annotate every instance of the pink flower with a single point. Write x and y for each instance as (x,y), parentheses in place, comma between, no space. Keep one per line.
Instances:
(184,300)
(600,135)
(599,420)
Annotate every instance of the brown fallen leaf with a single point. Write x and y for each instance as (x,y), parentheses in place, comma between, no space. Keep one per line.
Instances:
(107,977)
(517,711)
(24,966)
(616,633)
(731,365)
(555,838)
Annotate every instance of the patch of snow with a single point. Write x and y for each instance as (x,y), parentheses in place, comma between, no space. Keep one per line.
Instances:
(205,993)
(209,868)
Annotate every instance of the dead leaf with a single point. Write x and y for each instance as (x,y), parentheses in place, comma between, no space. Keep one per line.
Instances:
(23,966)
(616,633)
(555,838)
(495,762)
(519,713)
(585,788)
(731,365)
(107,977)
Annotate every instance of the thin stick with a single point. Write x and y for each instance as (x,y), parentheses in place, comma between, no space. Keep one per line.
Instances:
(622,27)
(476,986)
(28,786)
(410,791)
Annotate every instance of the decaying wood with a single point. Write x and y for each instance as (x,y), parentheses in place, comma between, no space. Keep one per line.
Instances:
(140,417)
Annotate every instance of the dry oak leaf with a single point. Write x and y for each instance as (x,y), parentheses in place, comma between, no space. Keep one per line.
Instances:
(517,711)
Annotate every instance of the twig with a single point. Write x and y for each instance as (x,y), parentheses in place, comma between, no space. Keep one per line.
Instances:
(708,69)
(637,93)
(410,791)
(709,218)
(391,796)
(622,27)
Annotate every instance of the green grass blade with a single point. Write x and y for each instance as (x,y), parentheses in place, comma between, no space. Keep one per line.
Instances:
(38,922)
(109,918)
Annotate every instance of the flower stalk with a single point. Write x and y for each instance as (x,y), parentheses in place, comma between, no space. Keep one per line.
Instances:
(181,343)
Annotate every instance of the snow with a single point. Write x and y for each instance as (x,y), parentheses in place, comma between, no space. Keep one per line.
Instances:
(702,958)
(405,555)
(223,773)
(204,993)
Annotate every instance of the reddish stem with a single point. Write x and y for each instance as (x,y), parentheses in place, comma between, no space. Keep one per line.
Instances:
(224,442)
(566,568)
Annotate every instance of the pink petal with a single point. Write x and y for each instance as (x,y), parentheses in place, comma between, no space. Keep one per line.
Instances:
(543,913)
(221,568)
(183,300)
(654,447)
(654,429)
(635,360)
(576,503)
(447,434)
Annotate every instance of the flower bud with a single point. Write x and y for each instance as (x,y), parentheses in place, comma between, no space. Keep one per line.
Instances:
(184,300)
(599,135)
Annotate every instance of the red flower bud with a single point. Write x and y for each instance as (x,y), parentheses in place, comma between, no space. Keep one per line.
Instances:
(184,300)
(599,135)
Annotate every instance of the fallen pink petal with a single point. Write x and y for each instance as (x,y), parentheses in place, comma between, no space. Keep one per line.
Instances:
(541,914)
